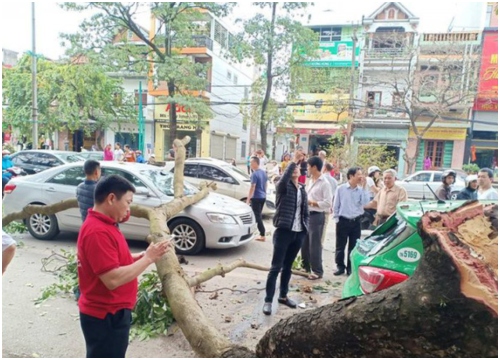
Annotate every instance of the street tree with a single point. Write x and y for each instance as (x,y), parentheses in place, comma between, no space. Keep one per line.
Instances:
(107,36)
(72,94)
(277,42)
(448,308)
(277,114)
(436,81)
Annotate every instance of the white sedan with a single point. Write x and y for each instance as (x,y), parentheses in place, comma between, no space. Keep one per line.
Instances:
(217,221)
(416,184)
(230,180)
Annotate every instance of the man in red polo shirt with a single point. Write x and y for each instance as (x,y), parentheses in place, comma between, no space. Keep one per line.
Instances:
(107,271)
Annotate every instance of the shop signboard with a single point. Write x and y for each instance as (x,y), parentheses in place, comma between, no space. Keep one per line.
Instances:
(441,133)
(161,113)
(320,107)
(487,97)
(334,54)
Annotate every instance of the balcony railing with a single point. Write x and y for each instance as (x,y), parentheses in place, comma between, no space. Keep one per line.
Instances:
(387,53)
(451,37)
(200,41)
(203,41)
(379,113)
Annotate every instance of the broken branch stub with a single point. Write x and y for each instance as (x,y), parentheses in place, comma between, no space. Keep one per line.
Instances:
(180,156)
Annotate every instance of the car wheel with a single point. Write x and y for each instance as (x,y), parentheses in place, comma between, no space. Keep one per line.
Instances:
(189,238)
(43,227)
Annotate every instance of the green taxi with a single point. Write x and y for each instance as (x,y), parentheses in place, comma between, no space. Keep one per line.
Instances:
(392,252)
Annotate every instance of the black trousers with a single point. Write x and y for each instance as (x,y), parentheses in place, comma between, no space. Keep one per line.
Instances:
(346,230)
(257,206)
(108,337)
(312,251)
(286,245)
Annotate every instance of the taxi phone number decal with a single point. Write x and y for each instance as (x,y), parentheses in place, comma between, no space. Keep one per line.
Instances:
(409,254)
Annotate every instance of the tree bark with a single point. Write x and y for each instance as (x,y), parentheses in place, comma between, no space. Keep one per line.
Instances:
(426,316)
(173,114)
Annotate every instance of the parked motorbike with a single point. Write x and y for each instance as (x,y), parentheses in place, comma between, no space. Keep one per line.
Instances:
(368,218)
(14,172)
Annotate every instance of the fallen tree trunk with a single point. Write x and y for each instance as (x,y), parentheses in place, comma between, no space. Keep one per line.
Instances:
(430,315)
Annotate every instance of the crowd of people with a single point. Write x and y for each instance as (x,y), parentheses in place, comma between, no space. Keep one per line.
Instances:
(127,154)
(477,187)
(307,196)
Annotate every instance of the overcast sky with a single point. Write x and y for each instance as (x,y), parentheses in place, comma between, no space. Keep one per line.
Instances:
(51,20)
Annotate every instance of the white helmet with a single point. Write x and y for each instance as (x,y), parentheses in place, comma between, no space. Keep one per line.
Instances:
(470,179)
(372,169)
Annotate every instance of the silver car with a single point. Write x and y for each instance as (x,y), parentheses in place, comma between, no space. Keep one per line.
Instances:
(230,180)
(217,221)
(416,187)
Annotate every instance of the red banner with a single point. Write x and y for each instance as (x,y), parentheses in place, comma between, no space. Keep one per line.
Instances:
(487,97)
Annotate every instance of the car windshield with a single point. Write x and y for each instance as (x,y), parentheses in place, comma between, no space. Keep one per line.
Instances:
(234,169)
(71,157)
(164,181)
(395,229)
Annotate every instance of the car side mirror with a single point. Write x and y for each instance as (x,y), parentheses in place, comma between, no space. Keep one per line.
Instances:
(407,180)
(142,191)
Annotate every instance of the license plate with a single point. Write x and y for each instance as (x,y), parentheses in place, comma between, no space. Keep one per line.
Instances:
(252,229)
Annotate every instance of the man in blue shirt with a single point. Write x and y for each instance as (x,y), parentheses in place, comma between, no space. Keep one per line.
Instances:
(257,195)
(348,207)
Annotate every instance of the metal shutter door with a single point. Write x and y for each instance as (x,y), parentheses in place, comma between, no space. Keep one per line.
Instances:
(216,146)
(230,148)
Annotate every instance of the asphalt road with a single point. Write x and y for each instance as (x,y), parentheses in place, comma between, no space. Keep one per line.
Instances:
(52,328)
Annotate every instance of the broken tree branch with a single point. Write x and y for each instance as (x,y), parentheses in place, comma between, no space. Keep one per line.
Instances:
(222,270)
(29,210)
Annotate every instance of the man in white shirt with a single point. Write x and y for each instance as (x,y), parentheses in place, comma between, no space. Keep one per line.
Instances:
(319,194)
(118,154)
(485,190)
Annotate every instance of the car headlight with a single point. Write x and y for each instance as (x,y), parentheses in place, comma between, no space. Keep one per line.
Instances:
(221,218)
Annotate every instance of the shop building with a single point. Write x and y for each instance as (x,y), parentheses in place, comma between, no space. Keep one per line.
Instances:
(320,115)
(482,142)
(388,45)
(223,136)
(445,56)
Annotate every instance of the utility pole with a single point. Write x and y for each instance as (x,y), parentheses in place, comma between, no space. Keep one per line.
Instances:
(353,83)
(141,120)
(33,81)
